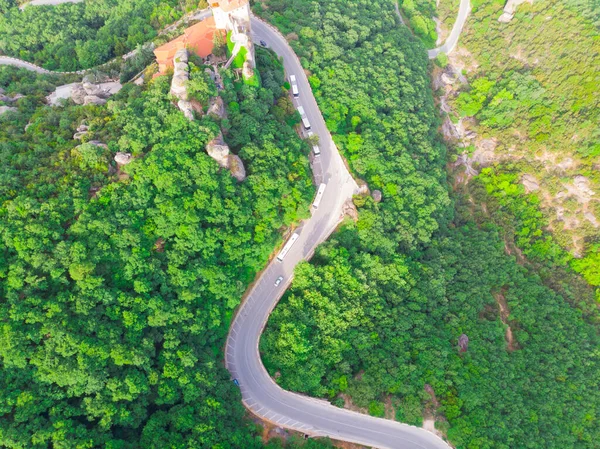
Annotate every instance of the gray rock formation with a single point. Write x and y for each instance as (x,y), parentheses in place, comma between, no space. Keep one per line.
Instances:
(79,135)
(236,166)
(123,158)
(187,109)
(217,107)
(463,343)
(5,109)
(377,196)
(219,151)
(181,76)
(84,93)
(93,99)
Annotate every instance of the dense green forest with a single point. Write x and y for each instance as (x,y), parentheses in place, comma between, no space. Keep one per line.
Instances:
(70,37)
(118,284)
(376,317)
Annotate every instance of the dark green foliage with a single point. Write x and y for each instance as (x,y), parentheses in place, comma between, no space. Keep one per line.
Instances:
(69,37)
(369,79)
(117,287)
(388,326)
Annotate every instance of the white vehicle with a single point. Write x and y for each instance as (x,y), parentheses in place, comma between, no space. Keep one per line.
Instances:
(294,85)
(278,281)
(319,196)
(287,247)
(305,121)
(315,148)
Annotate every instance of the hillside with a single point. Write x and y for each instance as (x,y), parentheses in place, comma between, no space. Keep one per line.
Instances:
(438,324)
(521,98)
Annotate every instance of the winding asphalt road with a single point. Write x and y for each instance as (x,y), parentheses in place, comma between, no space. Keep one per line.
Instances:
(463,13)
(260,393)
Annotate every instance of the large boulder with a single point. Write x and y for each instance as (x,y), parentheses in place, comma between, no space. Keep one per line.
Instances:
(123,158)
(219,151)
(5,109)
(236,166)
(93,99)
(187,108)
(377,196)
(217,107)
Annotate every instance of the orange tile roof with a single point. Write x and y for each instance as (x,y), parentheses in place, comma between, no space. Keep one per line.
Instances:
(198,38)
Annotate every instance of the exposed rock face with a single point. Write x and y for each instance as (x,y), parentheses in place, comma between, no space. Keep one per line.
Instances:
(463,343)
(236,166)
(84,93)
(447,79)
(219,151)
(5,109)
(8,99)
(187,109)
(93,99)
(217,107)
(530,183)
(123,158)
(98,143)
(181,76)
(377,196)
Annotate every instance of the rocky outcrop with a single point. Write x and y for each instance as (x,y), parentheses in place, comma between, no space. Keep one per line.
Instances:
(219,151)
(8,99)
(181,76)
(5,109)
(236,166)
(377,196)
(217,107)
(123,158)
(85,92)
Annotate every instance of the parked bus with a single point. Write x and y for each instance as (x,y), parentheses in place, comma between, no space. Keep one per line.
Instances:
(319,196)
(294,85)
(305,121)
(287,247)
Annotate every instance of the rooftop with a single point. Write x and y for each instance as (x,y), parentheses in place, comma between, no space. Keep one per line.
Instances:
(197,38)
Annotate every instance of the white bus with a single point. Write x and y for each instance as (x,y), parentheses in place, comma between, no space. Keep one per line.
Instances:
(319,196)
(287,247)
(294,85)
(305,121)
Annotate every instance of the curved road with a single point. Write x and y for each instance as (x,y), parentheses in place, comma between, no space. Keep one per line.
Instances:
(260,394)
(463,13)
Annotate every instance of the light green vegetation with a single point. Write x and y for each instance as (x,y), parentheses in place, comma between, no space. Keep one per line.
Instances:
(533,91)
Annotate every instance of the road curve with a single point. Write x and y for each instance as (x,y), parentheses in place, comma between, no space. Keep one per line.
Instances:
(463,13)
(260,393)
